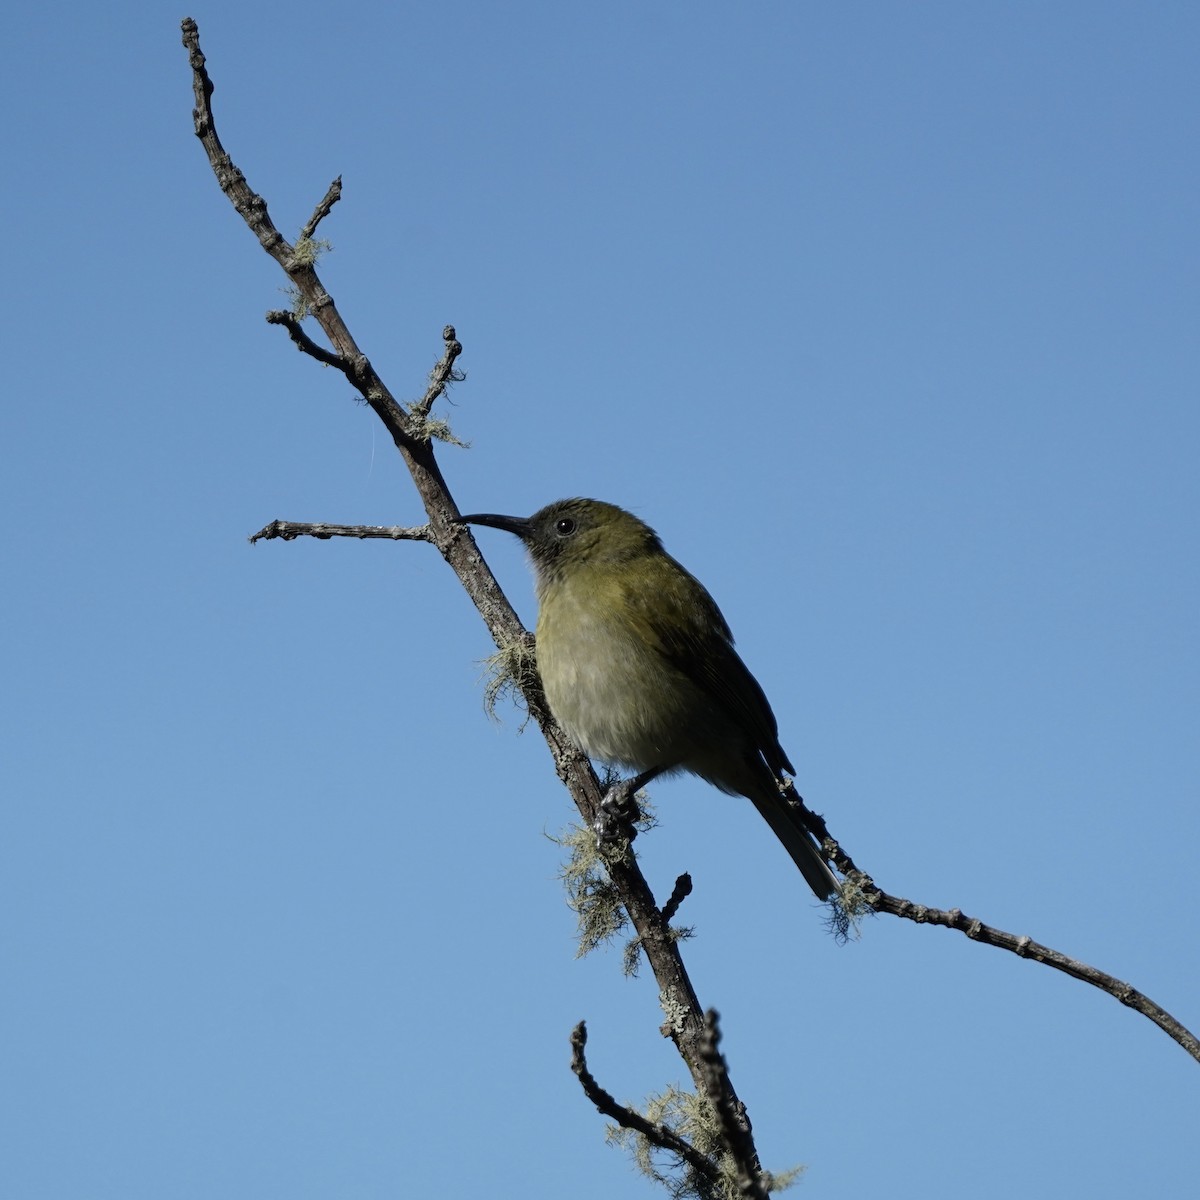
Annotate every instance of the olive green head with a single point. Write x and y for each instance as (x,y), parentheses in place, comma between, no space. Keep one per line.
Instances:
(576,533)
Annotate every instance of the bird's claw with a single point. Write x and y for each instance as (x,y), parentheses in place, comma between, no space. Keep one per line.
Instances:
(616,819)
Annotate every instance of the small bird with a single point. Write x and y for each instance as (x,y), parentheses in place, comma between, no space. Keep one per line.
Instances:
(638,664)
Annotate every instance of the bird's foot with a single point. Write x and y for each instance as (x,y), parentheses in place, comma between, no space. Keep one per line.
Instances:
(617,819)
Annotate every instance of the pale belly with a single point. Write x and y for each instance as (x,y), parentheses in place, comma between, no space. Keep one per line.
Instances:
(621,703)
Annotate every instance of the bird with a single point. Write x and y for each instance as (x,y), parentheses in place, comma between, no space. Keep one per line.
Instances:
(639,667)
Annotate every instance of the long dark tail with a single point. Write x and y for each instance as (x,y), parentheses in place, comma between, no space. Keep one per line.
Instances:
(784,818)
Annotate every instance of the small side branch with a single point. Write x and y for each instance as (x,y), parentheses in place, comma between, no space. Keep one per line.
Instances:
(627,1118)
(299,268)
(735,1124)
(681,891)
(303,342)
(290,530)
(1025,947)
(251,207)
(875,899)
(443,373)
(322,210)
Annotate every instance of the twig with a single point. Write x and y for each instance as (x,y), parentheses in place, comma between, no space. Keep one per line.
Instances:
(290,530)
(658,1135)
(253,210)
(1026,947)
(681,891)
(322,210)
(735,1124)
(443,373)
(279,316)
(875,898)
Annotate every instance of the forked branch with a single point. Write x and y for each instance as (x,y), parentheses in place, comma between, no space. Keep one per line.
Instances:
(453,540)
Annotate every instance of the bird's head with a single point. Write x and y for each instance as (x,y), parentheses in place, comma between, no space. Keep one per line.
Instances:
(570,535)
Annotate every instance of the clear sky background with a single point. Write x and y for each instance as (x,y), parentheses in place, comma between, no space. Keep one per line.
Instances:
(884,315)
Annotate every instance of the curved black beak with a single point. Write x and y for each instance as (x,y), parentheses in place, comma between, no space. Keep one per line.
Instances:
(518,525)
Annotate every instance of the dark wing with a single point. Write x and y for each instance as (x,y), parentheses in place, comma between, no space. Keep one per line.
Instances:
(684,623)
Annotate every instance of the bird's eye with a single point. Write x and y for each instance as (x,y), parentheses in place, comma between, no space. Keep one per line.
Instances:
(564,526)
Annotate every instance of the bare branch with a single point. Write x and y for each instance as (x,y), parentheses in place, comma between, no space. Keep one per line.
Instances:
(322,210)
(875,899)
(278,316)
(299,268)
(735,1124)
(1025,947)
(290,530)
(456,544)
(658,1135)
(443,373)
(681,891)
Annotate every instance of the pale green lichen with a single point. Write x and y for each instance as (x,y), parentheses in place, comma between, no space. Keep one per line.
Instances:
(297,304)
(308,251)
(674,1010)
(426,428)
(689,1117)
(591,895)
(507,673)
(848,910)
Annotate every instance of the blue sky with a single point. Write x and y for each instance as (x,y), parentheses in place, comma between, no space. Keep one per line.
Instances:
(885,316)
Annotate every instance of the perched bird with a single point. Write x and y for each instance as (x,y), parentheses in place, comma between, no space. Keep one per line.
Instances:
(638,664)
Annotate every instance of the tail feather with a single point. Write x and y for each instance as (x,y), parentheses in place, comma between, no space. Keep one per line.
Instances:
(784,819)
